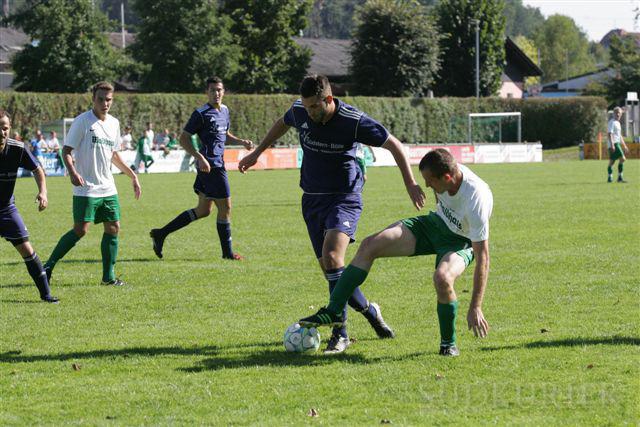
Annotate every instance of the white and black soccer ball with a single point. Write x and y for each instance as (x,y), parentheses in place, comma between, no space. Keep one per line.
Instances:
(301,340)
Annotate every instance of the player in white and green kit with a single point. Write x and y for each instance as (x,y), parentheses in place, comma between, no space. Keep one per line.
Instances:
(615,143)
(94,138)
(457,232)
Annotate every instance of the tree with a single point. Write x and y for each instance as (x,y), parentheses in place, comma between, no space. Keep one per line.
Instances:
(564,49)
(181,43)
(271,61)
(395,49)
(521,20)
(625,60)
(69,51)
(455,20)
(332,18)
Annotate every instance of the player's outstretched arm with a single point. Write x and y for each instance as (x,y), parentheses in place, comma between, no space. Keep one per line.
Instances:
(117,160)
(67,158)
(247,143)
(475,317)
(185,142)
(415,192)
(41,182)
(278,129)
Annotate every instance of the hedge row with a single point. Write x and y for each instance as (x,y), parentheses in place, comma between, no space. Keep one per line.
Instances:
(554,122)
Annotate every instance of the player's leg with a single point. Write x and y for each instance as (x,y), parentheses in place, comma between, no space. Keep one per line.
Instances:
(148,161)
(621,166)
(395,240)
(223,225)
(202,210)
(449,267)
(35,269)
(108,213)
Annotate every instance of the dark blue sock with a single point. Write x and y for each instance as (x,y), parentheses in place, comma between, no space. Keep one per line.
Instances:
(332,277)
(34,267)
(224,232)
(182,220)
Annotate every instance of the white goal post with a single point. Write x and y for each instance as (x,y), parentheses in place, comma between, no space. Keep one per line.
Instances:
(476,115)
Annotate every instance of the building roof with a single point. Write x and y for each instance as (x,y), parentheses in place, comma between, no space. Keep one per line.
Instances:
(115,39)
(618,32)
(329,56)
(11,41)
(518,58)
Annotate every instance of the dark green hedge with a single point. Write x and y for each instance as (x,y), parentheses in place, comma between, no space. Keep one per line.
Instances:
(556,122)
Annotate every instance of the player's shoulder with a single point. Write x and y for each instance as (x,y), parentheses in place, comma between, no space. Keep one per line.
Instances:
(297,104)
(15,144)
(348,111)
(203,108)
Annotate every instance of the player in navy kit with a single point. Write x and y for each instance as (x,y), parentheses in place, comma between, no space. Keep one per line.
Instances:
(211,123)
(331,180)
(14,155)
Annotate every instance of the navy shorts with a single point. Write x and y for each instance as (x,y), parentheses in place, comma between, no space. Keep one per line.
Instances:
(12,226)
(212,185)
(325,212)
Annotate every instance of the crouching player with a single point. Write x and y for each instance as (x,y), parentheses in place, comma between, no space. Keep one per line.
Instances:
(456,232)
(14,155)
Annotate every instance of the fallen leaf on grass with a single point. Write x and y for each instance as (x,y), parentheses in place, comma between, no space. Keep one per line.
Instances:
(385,421)
(310,307)
(110,417)
(439,377)
(544,331)
(465,291)
(76,367)
(590,365)
(313,413)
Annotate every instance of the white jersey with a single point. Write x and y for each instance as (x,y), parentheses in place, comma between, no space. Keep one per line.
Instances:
(616,131)
(127,142)
(94,142)
(467,212)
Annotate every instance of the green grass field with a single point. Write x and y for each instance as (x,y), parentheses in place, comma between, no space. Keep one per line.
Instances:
(195,340)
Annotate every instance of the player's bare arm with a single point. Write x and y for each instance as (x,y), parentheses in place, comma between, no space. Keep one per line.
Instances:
(278,129)
(41,182)
(117,160)
(415,192)
(67,158)
(247,143)
(475,317)
(185,142)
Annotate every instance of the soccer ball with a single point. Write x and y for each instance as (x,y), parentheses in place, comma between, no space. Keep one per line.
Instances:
(301,340)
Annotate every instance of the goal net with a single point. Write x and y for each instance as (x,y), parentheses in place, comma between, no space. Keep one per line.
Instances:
(494,127)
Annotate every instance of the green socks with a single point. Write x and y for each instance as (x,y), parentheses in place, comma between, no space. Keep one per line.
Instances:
(620,169)
(447,318)
(109,249)
(64,245)
(351,278)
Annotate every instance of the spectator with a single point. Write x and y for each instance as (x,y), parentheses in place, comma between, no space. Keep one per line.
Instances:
(53,145)
(148,133)
(127,139)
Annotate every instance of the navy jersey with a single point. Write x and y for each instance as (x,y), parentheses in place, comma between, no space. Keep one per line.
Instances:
(329,150)
(211,126)
(14,155)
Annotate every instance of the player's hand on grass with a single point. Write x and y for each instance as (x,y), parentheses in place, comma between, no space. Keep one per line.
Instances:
(417,195)
(203,164)
(477,322)
(137,190)
(76,179)
(42,201)
(247,161)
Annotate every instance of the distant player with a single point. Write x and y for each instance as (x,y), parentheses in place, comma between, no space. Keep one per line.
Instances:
(211,123)
(143,154)
(94,138)
(456,232)
(616,144)
(361,158)
(14,155)
(331,180)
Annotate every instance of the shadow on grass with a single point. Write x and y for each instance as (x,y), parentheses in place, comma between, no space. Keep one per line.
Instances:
(16,356)
(22,301)
(280,358)
(94,261)
(570,342)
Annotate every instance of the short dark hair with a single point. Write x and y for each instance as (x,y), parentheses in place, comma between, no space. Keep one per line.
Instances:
(3,113)
(213,80)
(106,86)
(439,162)
(315,85)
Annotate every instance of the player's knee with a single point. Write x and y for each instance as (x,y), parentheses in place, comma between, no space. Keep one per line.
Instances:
(203,212)
(443,281)
(368,248)
(80,231)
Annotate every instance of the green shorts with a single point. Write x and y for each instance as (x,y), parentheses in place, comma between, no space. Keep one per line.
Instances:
(96,209)
(434,237)
(617,152)
(362,164)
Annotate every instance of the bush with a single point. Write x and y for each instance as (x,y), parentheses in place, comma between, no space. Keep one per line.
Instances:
(556,122)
